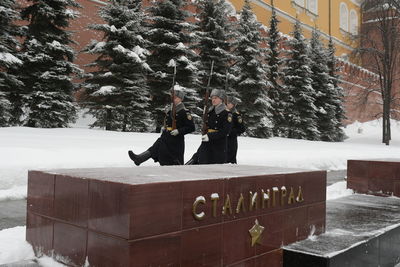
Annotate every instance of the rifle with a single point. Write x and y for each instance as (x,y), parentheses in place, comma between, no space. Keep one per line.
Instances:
(172,100)
(204,128)
(226,86)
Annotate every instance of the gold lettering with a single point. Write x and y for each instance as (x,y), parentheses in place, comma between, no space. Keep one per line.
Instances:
(265,197)
(227,206)
(240,204)
(214,199)
(274,191)
(253,201)
(198,216)
(299,197)
(291,196)
(276,194)
(283,195)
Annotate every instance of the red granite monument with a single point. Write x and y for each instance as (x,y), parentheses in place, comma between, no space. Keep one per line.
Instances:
(204,215)
(376,176)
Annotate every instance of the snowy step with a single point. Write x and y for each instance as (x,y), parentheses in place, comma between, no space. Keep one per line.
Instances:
(361,231)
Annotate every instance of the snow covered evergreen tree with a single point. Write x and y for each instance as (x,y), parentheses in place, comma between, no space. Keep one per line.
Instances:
(274,76)
(216,36)
(251,82)
(9,83)
(321,83)
(170,36)
(47,70)
(337,94)
(117,94)
(300,112)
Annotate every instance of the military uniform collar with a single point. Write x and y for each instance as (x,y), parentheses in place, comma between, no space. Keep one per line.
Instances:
(218,109)
(179,107)
(234,110)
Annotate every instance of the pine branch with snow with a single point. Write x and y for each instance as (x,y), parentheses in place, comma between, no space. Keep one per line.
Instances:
(10,111)
(251,82)
(274,75)
(116,92)
(216,35)
(47,69)
(337,93)
(321,82)
(298,94)
(170,37)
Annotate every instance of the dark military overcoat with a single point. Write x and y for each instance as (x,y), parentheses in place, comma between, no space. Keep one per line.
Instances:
(219,125)
(236,130)
(169,149)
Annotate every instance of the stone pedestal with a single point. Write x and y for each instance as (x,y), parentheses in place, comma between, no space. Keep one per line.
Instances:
(208,215)
(377,177)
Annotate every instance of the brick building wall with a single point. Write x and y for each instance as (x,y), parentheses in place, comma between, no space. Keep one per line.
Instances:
(356,81)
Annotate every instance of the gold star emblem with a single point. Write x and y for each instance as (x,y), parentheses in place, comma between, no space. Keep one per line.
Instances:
(255,233)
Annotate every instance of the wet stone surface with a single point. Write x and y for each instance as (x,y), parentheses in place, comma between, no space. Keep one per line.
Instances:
(25,263)
(356,220)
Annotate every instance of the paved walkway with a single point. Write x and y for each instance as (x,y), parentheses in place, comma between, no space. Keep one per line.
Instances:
(26,263)
(12,213)
(361,230)
(336,176)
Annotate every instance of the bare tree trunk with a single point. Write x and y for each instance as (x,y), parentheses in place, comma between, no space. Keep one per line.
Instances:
(380,50)
(108,120)
(386,118)
(384,128)
(125,122)
(390,102)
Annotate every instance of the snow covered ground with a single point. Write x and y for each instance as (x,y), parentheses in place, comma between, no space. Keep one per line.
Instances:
(26,149)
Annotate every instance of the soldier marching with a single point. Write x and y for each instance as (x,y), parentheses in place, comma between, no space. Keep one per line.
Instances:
(236,130)
(170,147)
(222,123)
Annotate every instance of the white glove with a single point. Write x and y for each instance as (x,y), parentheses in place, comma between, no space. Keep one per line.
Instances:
(204,138)
(175,132)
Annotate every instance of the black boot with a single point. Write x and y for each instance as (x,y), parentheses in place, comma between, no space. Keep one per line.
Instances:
(139,159)
(190,162)
(194,160)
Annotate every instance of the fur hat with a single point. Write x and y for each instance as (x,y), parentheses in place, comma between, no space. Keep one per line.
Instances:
(218,92)
(180,93)
(233,100)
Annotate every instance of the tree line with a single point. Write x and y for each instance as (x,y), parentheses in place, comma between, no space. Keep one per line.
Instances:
(287,92)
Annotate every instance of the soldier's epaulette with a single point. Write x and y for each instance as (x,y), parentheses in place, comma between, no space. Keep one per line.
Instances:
(188,115)
(229,117)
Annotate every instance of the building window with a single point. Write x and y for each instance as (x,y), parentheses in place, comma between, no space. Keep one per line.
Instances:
(299,2)
(344,17)
(308,6)
(312,6)
(353,22)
